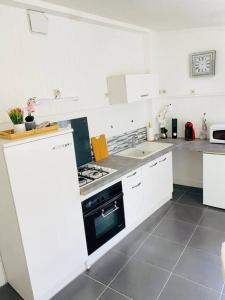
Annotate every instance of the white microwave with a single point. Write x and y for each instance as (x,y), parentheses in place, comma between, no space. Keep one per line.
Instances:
(217,133)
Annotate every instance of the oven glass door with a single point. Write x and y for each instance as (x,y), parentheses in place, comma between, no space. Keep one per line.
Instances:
(103,223)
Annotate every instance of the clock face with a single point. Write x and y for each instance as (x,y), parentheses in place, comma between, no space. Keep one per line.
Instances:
(203,63)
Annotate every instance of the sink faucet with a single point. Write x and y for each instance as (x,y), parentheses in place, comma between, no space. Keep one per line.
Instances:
(132,142)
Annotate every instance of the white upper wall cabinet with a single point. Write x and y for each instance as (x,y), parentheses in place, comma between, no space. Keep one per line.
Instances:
(132,88)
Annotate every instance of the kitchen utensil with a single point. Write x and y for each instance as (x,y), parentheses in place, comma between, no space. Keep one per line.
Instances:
(99,146)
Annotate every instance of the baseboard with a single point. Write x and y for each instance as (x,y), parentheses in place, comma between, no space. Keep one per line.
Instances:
(188,182)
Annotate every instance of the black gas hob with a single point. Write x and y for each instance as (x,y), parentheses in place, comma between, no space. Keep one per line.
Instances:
(90,173)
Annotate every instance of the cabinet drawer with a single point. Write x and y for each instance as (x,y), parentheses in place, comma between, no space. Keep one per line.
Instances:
(152,165)
(164,158)
(131,176)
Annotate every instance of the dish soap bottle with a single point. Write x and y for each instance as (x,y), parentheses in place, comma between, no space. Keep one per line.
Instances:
(150,133)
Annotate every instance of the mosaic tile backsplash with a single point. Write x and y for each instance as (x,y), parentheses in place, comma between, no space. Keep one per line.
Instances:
(123,141)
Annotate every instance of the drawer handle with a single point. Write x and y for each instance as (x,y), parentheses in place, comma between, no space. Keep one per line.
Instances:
(135,186)
(58,147)
(153,165)
(144,95)
(163,159)
(131,175)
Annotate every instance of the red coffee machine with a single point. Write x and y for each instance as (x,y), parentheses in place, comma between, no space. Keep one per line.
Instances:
(189,132)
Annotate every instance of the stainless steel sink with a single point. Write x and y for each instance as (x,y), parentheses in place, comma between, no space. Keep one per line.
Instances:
(144,150)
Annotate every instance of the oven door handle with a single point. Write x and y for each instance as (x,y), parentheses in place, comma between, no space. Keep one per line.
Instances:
(93,212)
(110,211)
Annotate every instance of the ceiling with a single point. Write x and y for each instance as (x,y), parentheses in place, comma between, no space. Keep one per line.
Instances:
(155,14)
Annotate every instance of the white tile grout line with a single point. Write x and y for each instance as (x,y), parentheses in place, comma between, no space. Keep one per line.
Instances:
(180,256)
(105,286)
(183,193)
(130,258)
(196,283)
(221,294)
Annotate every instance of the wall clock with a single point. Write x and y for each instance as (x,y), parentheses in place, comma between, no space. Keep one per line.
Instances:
(203,63)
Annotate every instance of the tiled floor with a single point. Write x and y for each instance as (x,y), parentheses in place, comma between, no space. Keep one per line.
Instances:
(174,255)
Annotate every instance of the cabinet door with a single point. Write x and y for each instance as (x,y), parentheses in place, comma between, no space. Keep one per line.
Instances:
(134,88)
(133,201)
(141,86)
(165,177)
(214,180)
(151,186)
(45,188)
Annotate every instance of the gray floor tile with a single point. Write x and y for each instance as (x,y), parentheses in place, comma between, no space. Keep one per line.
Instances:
(208,240)
(149,224)
(185,213)
(177,194)
(214,219)
(201,267)
(106,267)
(196,189)
(81,288)
(113,295)
(175,230)
(8,293)
(140,281)
(191,198)
(180,187)
(131,242)
(181,289)
(160,252)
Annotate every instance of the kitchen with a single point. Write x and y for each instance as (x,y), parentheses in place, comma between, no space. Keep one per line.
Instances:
(77,56)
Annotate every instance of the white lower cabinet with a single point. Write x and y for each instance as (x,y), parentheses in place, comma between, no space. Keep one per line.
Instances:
(146,189)
(157,183)
(214,180)
(151,186)
(133,200)
(165,173)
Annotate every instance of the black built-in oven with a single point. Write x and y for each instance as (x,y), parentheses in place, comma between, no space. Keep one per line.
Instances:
(103,216)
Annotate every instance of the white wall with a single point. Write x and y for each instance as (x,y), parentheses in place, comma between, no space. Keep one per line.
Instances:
(172,64)
(75,57)
(2,276)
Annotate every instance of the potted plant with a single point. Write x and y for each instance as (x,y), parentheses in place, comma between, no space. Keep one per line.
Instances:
(16,116)
(30,122)
(162,120)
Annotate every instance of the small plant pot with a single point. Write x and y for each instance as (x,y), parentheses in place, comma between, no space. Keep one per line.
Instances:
(19,127)
(30,125)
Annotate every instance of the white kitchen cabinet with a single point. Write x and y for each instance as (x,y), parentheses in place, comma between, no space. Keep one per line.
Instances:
(157,183)
(165,173)
(214,180)
(132,88)
(151,185)
(133,198)
(42,235)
